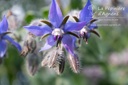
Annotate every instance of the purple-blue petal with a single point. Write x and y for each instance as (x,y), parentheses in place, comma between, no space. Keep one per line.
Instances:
(50,42)
(17,45)
(93,26)
(3,25)
(86,13)
(68,44)
(87,35)
(38,30)
(74,41)
(74,26)
(55,14)
(3,48)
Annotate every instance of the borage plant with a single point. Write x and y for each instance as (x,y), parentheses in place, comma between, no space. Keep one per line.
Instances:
(59,32)
(86,14)
(4,37)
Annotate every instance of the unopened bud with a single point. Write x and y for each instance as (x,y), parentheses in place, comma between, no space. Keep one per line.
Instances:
(32,63)
(29,45)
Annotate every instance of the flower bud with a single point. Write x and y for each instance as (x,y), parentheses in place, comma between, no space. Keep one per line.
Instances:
(29,45)
(32,63)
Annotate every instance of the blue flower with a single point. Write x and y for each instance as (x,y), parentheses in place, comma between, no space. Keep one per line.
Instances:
(58,29)
(86,15)
(4,37)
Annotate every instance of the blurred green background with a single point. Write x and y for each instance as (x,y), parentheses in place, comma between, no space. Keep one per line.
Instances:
(104,60)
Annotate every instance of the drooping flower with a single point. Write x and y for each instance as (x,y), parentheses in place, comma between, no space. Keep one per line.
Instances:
(4,37)
(58,30)
(86,15)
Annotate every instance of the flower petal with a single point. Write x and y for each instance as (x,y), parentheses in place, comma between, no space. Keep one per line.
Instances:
(93,26)
(3,48)
(49,43)
(74,26)
(55,14)
(68,44)
(74,42)
(86,13)
(87,35)
(3,25)
(13,42)
(38,30)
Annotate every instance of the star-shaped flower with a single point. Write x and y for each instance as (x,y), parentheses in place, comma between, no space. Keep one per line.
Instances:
(4,37)
(57,29)
(86,15)
(60,32)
